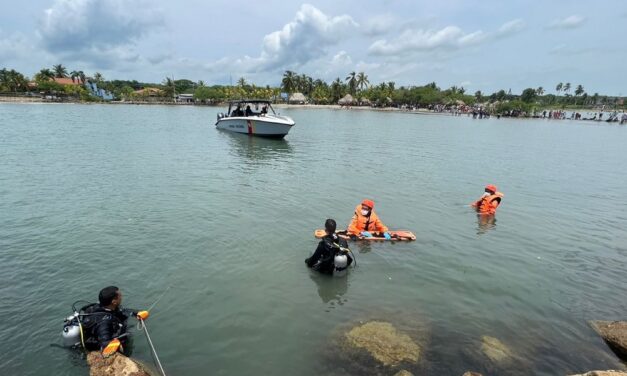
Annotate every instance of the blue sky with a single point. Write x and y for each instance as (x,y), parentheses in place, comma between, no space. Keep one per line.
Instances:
(481,45)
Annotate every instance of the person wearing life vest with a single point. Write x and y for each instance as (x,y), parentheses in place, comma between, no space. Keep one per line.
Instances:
(323,259)
(105,322)
(365,222)
(490,200)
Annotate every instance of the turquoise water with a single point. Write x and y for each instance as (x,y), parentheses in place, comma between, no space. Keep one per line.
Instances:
(147,197)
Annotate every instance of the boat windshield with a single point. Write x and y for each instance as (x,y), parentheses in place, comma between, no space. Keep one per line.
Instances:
(250,108)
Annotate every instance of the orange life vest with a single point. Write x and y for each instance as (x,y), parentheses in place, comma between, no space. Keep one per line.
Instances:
(488,204)
(361,223)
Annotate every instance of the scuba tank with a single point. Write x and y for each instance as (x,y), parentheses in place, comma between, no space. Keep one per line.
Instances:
(71,331)
(340,261)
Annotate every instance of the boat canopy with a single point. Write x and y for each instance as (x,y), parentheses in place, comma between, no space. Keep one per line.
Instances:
(258,106)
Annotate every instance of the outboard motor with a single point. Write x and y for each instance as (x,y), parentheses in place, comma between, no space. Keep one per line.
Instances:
(221,115)
(71,331)
(341,264)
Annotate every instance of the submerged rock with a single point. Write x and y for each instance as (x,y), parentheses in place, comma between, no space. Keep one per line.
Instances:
(603,373)
(384,342)
(495,350)
(115,365)
(615,335)
(403,373)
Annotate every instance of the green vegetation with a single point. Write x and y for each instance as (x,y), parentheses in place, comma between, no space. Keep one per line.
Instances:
(316,90)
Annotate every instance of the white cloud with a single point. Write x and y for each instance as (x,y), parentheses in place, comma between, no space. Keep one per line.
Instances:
(306,37)
(378,25)
(300,42)
(341,58)
(13,45)
(511,27)
(449,38)
(101,31)
(569,22)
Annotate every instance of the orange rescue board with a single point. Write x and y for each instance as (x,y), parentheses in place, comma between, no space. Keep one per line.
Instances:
(398,235)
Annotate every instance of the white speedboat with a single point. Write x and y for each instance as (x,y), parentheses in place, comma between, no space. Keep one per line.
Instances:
(255,118)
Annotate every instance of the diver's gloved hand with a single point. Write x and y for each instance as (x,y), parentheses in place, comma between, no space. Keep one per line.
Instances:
(366,234)
(142,315)
(387,236)
(112,347)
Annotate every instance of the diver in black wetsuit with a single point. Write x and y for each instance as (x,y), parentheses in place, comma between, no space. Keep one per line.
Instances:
(106,320)
(323,258)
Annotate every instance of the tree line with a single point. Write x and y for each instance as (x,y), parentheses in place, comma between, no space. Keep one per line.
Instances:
(316,90)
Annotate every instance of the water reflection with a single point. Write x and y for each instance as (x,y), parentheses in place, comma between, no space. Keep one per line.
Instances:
(485,223)
(257,150)
(330,289)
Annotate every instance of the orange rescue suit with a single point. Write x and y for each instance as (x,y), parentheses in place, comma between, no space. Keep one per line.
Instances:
(361,223)
(488,204)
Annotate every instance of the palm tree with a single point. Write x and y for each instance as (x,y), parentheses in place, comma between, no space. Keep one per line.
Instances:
(579,90)
(241,82)
(559,88)
(362,81)
(168,89)
(540,91)
(336,90)
(306,84)
(11,80)
(82,76)
(479,96)
(74,74)
(391,87)
(288,82)
(567,87)
(44,75)
(59,71)
(352,82)
(98,77)
(201,83)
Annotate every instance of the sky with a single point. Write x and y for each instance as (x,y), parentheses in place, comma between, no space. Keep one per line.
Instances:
(481,45)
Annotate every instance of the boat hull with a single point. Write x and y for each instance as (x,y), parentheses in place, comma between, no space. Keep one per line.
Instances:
(256,126)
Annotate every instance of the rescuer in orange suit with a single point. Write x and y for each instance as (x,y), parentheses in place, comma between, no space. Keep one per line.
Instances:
(490,200)
(365,221)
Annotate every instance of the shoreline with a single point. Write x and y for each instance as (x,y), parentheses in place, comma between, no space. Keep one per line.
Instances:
(38,100)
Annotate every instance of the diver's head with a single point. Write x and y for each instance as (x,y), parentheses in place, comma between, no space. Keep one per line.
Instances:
(330,226)
(110,297)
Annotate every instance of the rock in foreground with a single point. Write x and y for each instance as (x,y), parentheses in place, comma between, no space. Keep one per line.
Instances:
(384,343)
(615,335)
(115,365)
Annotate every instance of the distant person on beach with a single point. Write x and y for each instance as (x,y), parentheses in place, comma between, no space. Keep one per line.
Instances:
(365,222)
(323,259)
(489,201)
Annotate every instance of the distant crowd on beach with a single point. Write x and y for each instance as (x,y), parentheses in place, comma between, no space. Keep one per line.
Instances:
(481,112)
(614,116)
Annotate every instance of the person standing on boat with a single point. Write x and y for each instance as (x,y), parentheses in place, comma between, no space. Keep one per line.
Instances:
(489,201)
(365,222)
(331,245)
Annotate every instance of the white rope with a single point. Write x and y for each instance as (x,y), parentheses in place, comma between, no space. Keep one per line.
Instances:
(142,324)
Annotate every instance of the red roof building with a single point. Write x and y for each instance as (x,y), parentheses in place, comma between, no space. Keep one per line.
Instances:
(68,81)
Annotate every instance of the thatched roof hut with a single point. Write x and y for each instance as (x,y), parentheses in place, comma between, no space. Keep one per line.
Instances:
(297,98)
(364,101)
(346,100)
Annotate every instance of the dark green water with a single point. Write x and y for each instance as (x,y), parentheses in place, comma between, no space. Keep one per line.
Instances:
(148,197)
